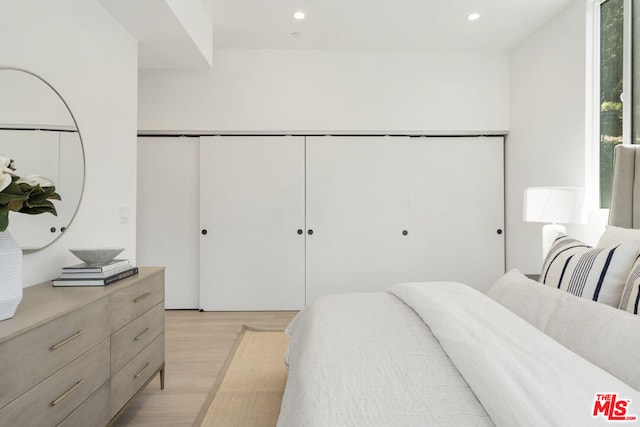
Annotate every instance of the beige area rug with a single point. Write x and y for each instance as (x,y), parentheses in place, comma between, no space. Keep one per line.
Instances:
(248,391)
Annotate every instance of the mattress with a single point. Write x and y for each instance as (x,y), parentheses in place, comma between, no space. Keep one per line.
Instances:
(369,360)
(436,354)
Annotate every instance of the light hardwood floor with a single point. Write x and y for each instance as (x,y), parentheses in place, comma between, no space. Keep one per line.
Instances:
(196,347)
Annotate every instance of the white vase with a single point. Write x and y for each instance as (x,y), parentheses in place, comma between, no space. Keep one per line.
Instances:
(10,275)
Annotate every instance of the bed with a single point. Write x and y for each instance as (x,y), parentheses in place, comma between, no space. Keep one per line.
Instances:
(445,354)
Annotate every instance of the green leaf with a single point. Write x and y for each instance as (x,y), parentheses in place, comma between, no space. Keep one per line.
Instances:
(35,210)
(37,196)
(31,200)
(12,192)
(15,205)
(51,193)
(6,198)
(4,218)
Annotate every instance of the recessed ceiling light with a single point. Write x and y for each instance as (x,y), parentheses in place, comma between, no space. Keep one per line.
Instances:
(298,15)
(473,16)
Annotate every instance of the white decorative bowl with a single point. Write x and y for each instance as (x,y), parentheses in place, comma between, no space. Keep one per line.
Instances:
(97,256)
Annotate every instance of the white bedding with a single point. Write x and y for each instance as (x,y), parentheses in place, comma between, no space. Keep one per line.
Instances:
(370,360)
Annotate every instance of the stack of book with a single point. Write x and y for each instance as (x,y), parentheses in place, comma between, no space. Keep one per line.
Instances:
(96,275)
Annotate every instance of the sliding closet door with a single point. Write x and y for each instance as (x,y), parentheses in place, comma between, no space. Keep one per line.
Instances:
(252,242)
(167,226)
(457,210)
(357,211)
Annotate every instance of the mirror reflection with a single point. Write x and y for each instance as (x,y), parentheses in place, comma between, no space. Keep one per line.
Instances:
(39,133)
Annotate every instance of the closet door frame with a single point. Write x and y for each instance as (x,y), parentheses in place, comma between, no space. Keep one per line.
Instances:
(406,251)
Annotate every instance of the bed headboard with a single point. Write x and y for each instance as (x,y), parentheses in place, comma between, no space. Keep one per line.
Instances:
(625,192)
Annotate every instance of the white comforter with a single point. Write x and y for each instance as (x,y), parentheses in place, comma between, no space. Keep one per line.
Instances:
(396,359)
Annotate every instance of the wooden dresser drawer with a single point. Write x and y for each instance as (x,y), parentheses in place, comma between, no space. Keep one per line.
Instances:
(128,380)
(55,398)
(94,412)
(130,302)
(131,339)
(30,357)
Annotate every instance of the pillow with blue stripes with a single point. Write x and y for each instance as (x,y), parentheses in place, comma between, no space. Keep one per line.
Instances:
(630,300)
(598,274)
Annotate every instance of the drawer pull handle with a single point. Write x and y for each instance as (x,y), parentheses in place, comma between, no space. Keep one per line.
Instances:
(66,341)
(67,393)
(141,371)
(141,334)
(141,297)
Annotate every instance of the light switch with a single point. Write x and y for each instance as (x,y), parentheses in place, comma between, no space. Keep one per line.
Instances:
(124,215)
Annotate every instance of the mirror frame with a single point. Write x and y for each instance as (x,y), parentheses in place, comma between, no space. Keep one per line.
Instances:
(84,157)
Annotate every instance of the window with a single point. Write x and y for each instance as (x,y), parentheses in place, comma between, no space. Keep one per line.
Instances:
(611,87)
(618,69)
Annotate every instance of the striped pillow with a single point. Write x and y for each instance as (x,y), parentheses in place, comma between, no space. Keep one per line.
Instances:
(630,300)
(598,274)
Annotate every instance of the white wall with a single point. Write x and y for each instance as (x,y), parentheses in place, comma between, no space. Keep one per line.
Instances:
(536,92)
(28,101)
(78,48)
(331,90)
(195,20)
(546,142)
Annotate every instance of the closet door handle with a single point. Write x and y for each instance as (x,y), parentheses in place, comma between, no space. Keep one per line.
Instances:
(300,231)
(499,231)
(405,232)
(310,232)
(204,232)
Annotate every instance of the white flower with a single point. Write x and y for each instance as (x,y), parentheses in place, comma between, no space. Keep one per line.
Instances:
(5,172)
(34,180)
(5,180)
(5,164)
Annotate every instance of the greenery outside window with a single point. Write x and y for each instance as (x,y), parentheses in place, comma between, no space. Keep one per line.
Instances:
(611,52)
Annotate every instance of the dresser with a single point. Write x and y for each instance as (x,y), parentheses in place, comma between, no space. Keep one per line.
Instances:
(77,356)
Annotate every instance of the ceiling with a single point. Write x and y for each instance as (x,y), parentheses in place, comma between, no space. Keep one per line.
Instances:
(376,24)
(172,33)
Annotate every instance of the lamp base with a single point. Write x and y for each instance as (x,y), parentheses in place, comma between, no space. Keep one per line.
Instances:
(549,234)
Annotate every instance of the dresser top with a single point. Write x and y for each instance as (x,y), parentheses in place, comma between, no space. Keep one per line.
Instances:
(44,302)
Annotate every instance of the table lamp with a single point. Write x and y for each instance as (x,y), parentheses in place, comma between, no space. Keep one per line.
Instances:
(554,206)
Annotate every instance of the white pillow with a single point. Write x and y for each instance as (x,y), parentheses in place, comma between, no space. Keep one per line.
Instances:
(598,273)
(615,235)
(527,298)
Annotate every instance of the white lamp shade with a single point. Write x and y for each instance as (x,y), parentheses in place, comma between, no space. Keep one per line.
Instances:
(553,204)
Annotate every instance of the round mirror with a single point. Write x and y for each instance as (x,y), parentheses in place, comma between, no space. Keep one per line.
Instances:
(40,134)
